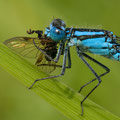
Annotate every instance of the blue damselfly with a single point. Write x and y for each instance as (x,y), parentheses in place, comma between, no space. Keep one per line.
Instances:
(44,48)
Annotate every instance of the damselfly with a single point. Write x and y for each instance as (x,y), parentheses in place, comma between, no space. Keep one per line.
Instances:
(57,40)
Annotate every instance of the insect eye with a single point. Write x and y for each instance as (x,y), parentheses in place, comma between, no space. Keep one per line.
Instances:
(57,31)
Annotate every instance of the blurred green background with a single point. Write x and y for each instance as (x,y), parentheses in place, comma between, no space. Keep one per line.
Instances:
(18,103)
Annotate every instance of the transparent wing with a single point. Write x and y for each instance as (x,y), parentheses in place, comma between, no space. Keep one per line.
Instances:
(25,47)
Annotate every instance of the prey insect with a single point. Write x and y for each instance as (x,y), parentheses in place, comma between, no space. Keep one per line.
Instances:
(57,40)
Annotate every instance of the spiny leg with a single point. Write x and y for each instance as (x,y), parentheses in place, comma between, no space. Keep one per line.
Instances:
(57,66)
(96,75)
(60,66)
(100,64)
(39,32)
(61,47)
(62,72)
(69,58)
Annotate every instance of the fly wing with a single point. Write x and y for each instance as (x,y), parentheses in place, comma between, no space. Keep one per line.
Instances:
(25,47)
(46,66)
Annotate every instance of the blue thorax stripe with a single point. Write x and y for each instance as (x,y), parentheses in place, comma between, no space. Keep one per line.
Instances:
(88,33)
(78,33)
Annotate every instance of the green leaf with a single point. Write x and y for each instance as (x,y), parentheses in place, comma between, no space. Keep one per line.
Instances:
(66,100)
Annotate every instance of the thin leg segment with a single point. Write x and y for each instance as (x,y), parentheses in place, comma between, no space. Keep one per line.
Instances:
(39,32)
(69,58)
(100,64)
(62,72)
(96,75)
(59,52)
(60,66)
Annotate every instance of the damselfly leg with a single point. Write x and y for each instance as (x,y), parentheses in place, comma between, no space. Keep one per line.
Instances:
(98,63)
(62,71)
(96,75)
(69,58)
(39,32)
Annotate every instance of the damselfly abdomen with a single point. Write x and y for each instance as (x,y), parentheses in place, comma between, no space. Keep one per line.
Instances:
(57,40)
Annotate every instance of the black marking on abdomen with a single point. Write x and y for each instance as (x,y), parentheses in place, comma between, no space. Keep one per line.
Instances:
(87,30)
(84,37)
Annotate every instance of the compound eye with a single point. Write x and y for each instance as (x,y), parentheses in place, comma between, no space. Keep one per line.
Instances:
(57,31)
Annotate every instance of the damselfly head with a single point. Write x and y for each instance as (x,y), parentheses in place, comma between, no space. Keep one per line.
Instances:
(57,30)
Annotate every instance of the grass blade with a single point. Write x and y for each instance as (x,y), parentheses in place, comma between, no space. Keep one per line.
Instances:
(56,93)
